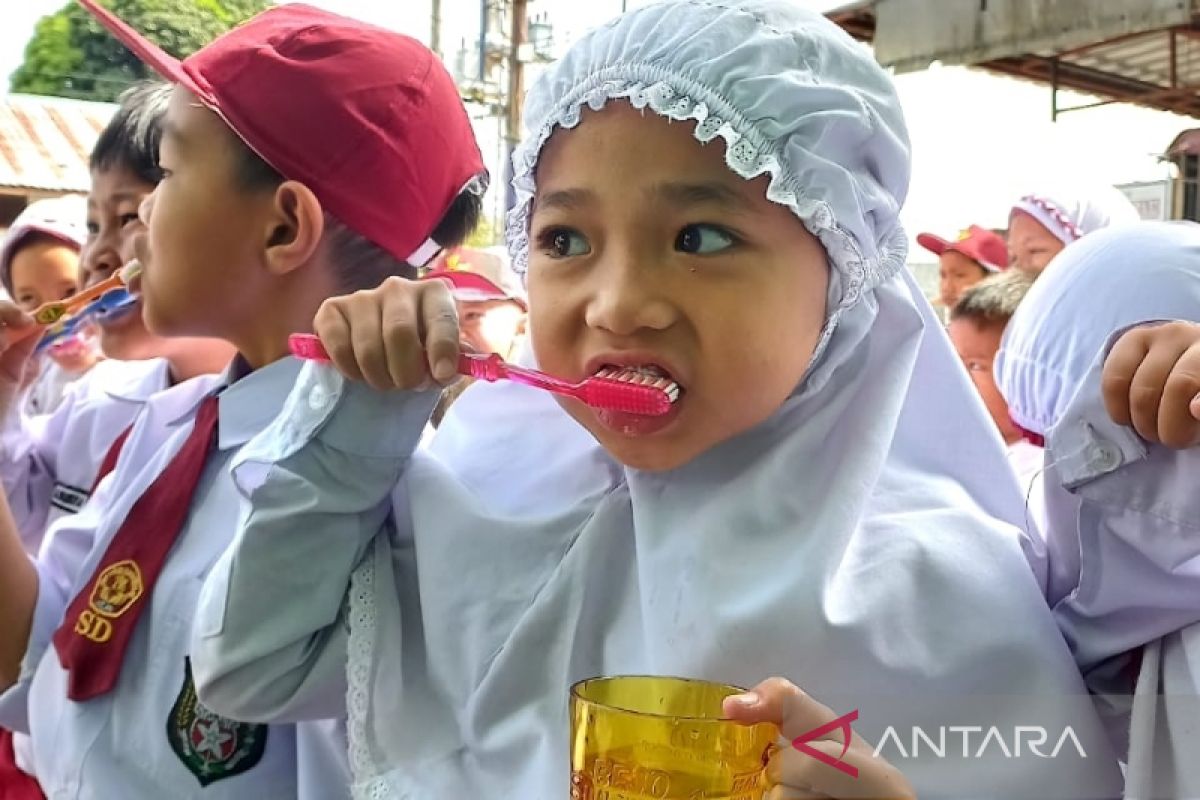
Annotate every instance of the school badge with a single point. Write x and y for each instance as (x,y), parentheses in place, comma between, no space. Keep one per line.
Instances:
(114,592)
(211,746)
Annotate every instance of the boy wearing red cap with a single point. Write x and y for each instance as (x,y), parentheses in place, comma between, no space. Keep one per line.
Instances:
(261,215)
(964,262)
(491,303)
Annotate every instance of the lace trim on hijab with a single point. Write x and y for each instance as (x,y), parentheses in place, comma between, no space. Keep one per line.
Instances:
(748,153)
(1056,213)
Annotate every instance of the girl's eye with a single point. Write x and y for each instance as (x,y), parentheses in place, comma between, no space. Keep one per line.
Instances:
(704,240)
(128,219)
(563,243)
(92,228)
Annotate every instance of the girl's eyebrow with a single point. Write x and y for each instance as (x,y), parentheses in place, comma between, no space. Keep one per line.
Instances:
(563,200)
(704,193)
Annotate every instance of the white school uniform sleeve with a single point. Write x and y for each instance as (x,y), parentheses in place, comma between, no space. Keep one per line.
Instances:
(28,462)
(1125,514)
(269,638)
(68,543)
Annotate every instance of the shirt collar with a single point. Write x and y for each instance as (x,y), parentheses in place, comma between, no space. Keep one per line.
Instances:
(248,403)
(141,383)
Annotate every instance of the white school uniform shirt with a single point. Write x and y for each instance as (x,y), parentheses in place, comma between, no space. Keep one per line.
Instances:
(49,462)
(118,745)
(47,391)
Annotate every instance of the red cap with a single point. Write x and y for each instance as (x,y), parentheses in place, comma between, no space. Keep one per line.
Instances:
(986,247)
(366,118)
(478,276)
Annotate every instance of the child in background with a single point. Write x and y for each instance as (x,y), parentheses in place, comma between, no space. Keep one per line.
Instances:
(976,254)
(687,209)
(977,324)
(491,303)
(1120,515)
(491,308)
(244,249)
(39,263)
(1043,222)
(50,463)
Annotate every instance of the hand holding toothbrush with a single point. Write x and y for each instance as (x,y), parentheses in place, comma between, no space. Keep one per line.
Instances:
(405,335)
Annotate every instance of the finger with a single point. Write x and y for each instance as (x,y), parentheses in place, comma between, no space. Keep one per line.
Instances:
(332,326)
(368,340)
(1195,408)
(783,703)
(1119,368)
(792,793)
(402,336)
(439,319)
(1149,381)
(13,319)
(859,774)
(1176,425)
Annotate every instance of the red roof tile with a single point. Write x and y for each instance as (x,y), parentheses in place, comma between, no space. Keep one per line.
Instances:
(45,141)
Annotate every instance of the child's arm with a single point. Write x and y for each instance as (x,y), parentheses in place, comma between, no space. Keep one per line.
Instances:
(1152,382)
(792,773)
(26,471)
(269,638)
(1129,508)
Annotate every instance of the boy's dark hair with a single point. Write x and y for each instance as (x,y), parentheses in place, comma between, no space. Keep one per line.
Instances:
(993,300)
(360,263)
(132,137)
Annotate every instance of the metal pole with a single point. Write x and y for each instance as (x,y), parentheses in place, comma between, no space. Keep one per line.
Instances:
(516,91)
(435,26)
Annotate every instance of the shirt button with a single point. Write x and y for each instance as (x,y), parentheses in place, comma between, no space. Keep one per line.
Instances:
(318,399)
(1106,456)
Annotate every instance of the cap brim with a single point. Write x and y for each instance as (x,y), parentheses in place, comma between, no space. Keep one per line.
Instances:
(934,244)
(147,51)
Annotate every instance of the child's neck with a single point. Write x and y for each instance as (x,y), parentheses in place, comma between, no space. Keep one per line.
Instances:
(194,358)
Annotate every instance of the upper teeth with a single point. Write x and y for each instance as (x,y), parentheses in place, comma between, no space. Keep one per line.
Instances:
(643,376)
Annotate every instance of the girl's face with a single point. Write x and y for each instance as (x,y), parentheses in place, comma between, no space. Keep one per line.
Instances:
(1030,244)
(647,251)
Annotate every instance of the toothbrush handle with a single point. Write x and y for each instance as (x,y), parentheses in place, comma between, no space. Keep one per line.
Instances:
(484,367)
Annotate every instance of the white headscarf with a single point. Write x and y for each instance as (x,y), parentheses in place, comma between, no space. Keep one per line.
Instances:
(862,542)
(1071,212)
(1105,282)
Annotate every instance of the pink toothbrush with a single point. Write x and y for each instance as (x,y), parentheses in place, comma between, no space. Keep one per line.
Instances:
(607,393)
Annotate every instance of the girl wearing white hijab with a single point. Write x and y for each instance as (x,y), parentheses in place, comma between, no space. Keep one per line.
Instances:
(1043,222)
(1123,532)
(709,189)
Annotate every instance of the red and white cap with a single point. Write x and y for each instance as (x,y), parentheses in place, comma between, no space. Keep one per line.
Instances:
(368,119)
(985,247)
(478,276)
(61,218)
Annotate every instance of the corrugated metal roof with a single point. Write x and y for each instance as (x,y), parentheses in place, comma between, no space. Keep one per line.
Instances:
(1157,67)
(45,141)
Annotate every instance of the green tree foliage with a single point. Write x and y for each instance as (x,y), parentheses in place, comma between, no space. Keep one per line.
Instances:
(70,55)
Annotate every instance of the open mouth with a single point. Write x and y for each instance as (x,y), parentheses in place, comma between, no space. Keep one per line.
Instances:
(649,375)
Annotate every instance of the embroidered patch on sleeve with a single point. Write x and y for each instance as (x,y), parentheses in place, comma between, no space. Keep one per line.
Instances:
(212,747)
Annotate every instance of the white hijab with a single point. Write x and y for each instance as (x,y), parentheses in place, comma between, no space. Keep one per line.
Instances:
(1070,212)
(1105,282)
(862,542)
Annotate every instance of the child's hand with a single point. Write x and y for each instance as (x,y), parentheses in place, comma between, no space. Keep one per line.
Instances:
(1152,382)
(393,337)
(14,357)
(794,775)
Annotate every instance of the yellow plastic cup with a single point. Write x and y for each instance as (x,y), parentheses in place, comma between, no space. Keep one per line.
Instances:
(656,738)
